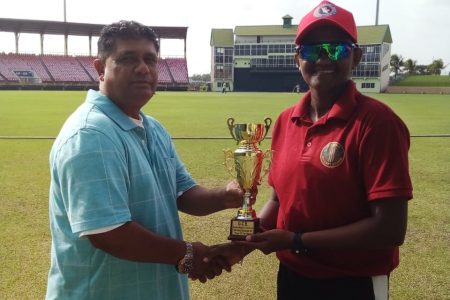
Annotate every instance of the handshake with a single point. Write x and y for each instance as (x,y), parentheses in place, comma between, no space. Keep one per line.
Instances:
(210,261)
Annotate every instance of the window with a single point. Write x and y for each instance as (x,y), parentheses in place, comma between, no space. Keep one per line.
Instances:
(264,55)
(371,53)
(368,85)
(290,49)
(218,72)
(246,50)
(367,70)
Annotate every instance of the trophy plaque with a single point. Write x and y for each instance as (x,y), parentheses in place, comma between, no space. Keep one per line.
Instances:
(245,164)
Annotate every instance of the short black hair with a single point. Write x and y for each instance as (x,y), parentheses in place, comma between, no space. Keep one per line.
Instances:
(123,30)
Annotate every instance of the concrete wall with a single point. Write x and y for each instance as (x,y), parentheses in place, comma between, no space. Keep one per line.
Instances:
(385,69)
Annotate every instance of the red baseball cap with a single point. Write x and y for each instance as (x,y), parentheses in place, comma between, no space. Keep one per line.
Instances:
(327,13)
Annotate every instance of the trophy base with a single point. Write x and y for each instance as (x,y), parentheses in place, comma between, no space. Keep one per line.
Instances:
(239,228)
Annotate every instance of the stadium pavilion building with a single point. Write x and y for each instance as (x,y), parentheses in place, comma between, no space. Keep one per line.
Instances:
(261,58)
(20,70)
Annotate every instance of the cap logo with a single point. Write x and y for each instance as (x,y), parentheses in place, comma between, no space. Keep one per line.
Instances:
(324,10)
(332,155)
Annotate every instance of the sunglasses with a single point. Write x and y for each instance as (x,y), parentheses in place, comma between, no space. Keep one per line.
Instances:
(335,51)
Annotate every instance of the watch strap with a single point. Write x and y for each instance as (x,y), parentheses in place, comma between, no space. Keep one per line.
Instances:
(297,244)
(186,264)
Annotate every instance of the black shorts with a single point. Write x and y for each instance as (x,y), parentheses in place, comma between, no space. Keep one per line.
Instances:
(292,286)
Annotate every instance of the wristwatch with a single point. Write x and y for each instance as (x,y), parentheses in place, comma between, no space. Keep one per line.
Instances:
(186,264)
(297,246)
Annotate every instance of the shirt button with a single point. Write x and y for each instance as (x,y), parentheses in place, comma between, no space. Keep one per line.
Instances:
(308,144)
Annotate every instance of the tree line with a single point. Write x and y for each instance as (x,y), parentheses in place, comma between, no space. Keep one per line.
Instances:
(411,67)
(201,77)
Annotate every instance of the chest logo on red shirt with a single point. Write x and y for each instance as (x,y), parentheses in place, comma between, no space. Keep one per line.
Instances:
(332,155)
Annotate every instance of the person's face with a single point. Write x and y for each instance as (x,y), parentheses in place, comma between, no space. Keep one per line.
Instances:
(129,75)
(325,74)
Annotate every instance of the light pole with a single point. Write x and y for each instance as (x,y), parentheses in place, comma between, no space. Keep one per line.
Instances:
(378,10)
(65,11)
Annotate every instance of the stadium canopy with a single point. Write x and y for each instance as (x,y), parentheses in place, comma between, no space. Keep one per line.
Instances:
(18,26)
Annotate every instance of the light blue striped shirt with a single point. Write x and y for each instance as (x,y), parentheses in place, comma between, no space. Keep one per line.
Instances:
(106,170)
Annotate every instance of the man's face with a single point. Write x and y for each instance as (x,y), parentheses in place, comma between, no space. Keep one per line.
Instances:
(129,75)
(325,74)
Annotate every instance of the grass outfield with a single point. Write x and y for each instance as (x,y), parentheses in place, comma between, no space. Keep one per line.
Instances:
(424,80)
(24,179)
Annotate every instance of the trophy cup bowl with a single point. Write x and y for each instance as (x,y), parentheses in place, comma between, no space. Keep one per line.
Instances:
(246,164)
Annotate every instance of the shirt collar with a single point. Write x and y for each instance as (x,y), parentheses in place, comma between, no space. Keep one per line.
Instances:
(341,109)
(110,109)
(139,122)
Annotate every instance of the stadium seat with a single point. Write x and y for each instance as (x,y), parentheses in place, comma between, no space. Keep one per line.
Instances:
(163,72)
(65,69)
(178,69)
(87,62)
(22,62)
(79,69)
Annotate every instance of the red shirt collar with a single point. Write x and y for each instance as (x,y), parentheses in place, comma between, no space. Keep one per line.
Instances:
(341,109)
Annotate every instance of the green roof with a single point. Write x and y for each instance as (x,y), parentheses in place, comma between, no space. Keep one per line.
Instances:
(265,30)
(222,38)
(374,34)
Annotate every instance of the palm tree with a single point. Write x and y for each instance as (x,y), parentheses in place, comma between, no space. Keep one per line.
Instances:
(396,62)
(436,66)
(410,65)
(422,70)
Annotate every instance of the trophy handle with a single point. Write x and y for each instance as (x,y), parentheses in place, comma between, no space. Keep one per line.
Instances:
(267,159)
(230,122)
(229,157)
(268,122)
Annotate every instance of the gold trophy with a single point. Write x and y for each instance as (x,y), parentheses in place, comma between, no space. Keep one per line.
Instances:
(247,162)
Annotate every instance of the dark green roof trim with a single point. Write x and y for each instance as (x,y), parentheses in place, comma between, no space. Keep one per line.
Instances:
(222,38)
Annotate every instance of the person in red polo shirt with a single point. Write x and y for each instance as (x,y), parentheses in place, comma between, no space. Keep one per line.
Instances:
(338,210)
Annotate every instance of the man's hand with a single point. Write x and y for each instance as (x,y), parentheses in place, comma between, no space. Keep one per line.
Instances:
(218,258)
(270,241)
(233,196)
(205,270)
(231,253)
(253,194)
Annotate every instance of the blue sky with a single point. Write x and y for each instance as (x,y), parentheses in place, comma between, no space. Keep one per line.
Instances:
(419,27)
